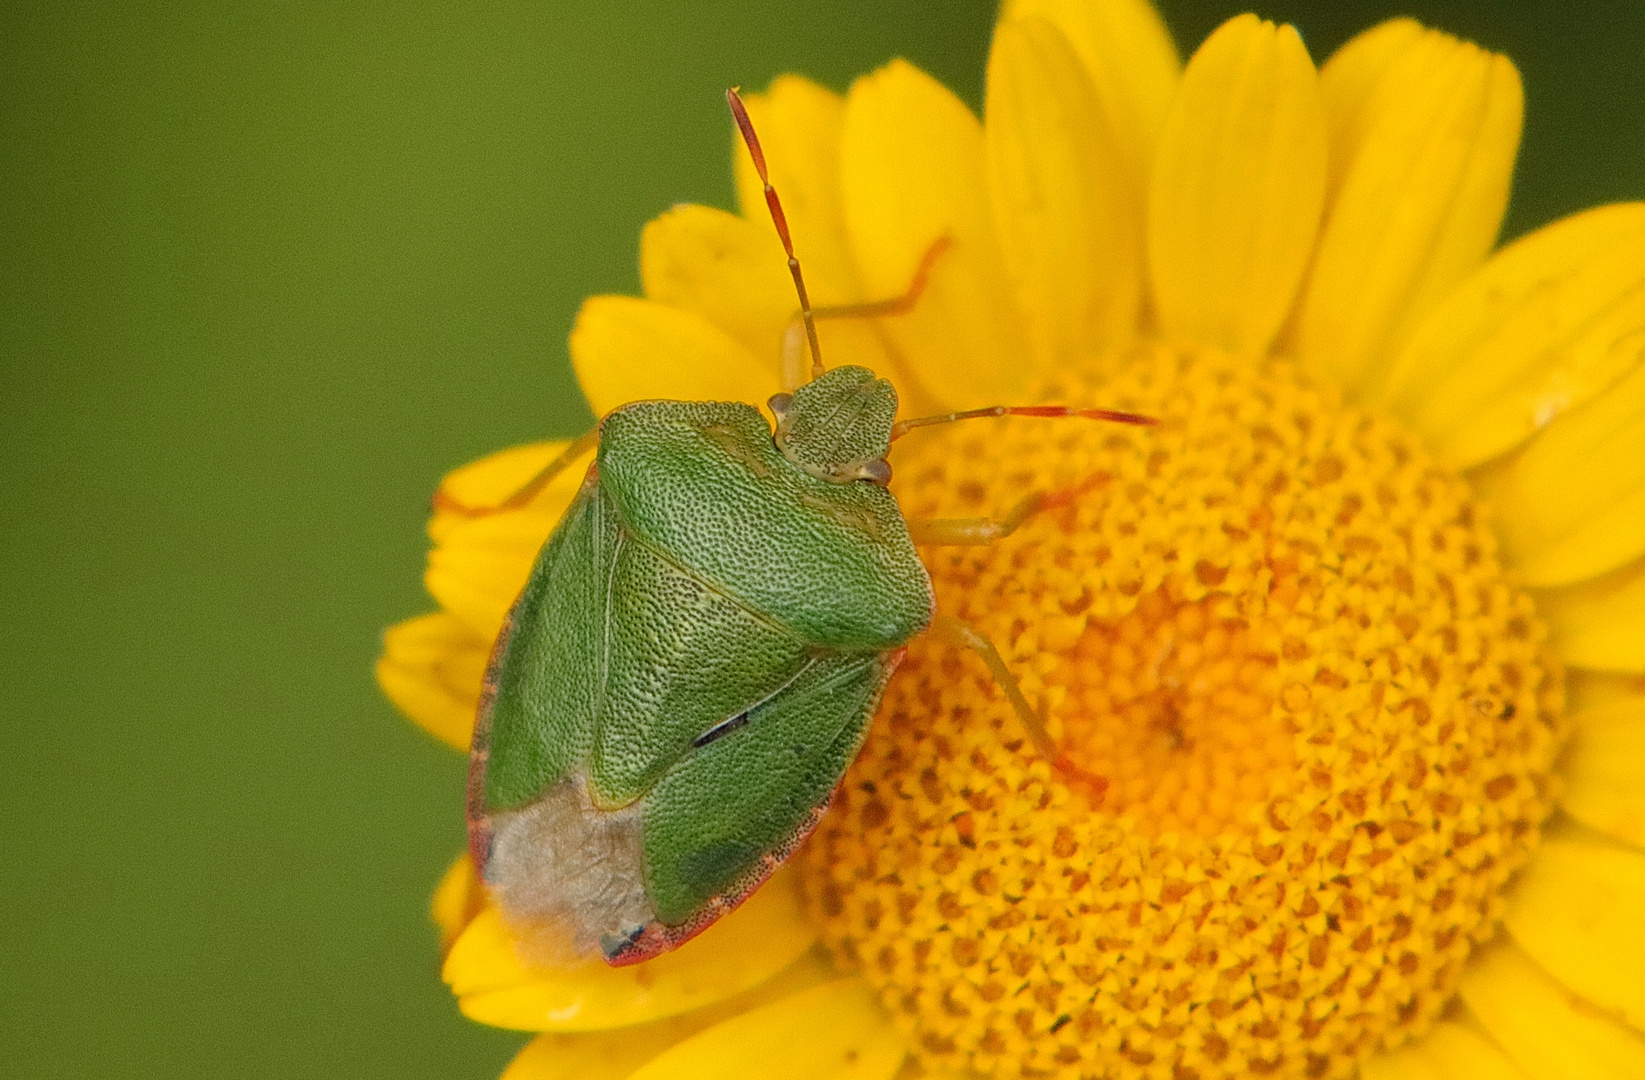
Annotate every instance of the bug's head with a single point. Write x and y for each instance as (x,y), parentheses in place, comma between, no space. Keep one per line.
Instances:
(838,425)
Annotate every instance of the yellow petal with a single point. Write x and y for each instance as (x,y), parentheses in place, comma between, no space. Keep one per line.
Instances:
(1585,690)
(1067,217)
(1238,187)
(594,1055)
(482,563)
(1131,63)
(1576,912)
(457,899)
(493,478)
(728,269)
(1601,623)
(1449,1051)
(431,669)
(799,124)
(836,1031)
(495,986)
(1347,81)
(1572,505)
(914,172)
(1551,321)
(1548,1031)
(615,1054)
(1420,203)
(626,349)
(1604,768)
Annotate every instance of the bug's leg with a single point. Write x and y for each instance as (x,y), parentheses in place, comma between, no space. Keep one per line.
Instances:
(961,634)
(978,531)
(579,446)
(794,371)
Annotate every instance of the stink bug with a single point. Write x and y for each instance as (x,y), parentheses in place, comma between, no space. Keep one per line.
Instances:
(696,656)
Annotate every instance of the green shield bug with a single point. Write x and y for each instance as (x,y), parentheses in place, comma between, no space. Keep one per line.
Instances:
(701,644)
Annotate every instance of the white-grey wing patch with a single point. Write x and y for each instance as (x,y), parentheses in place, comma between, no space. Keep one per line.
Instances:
(565,873)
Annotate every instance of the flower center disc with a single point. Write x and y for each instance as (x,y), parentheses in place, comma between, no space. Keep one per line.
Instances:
(1323,720)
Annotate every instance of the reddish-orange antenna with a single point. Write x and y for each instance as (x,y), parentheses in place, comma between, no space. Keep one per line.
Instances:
(1116,416)
(746,127)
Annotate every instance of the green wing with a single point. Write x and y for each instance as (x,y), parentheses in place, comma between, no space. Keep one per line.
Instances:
(733,799)
(549,669)
(681,656)
(697,652)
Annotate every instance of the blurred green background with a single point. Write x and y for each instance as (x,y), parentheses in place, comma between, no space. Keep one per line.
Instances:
(268,270)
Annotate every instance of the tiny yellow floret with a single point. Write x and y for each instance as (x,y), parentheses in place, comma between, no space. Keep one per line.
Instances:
(1323,720)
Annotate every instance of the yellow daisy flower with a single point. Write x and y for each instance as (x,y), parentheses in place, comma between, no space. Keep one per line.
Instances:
(1324,630)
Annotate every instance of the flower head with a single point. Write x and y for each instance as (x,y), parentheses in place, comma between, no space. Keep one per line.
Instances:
(1322,632)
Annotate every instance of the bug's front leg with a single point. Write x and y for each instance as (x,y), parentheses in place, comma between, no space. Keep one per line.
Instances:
(794,367)
(981,530)
(573,452)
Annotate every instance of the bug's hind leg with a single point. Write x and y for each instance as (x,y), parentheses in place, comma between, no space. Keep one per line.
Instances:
(982,530)
(574,451)
(961,634)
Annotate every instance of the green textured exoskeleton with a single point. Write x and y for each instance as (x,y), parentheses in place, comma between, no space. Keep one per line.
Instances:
(692,664)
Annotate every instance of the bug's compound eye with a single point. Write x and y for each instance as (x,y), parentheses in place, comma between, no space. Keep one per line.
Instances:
(778,404)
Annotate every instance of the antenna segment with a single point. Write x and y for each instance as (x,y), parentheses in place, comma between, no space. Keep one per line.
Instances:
(745,126)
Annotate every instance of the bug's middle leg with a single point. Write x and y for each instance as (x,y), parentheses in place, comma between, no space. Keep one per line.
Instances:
(961,634)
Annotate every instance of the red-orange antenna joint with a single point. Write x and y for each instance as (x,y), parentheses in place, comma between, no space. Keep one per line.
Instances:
(745,127)
(1055,412)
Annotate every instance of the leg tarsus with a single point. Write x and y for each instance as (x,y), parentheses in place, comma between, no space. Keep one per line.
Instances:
(568,457)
